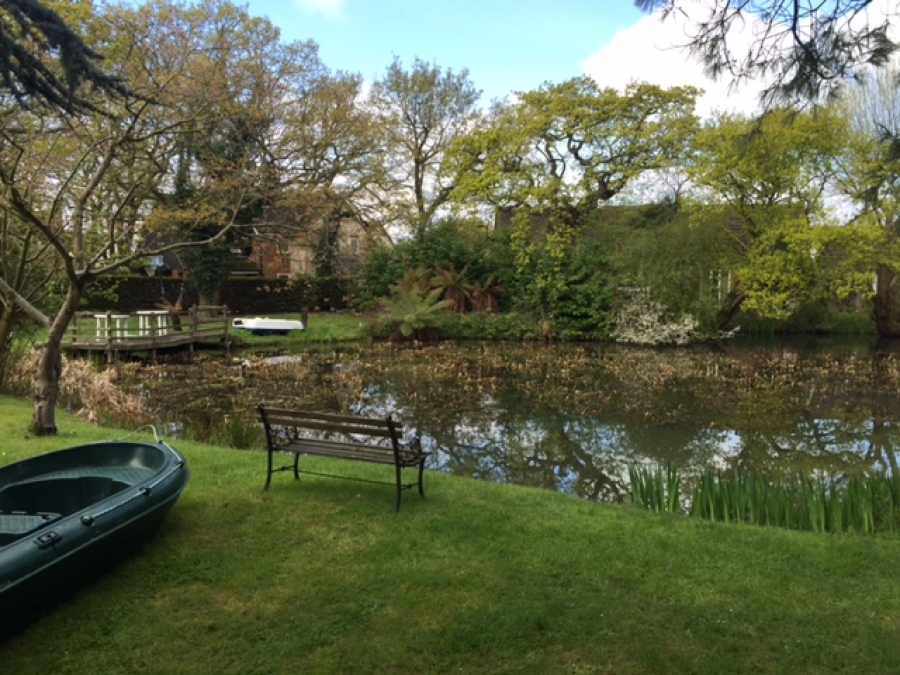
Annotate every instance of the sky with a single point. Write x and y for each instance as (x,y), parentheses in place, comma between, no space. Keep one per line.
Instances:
(506,45)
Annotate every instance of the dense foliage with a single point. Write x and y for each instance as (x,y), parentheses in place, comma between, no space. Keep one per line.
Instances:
(562,204)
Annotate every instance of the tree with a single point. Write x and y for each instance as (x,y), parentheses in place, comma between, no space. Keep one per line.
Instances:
(807,47)
(765,181)
(870,176)
(89,186)
(28,265)
(43,60)
(325,250)
(325,152)
(455,286)
(564,150)
(244,75)
(422,111)
(555,157)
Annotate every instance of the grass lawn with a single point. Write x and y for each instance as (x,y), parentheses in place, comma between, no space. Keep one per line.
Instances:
(320,327)
(323,577)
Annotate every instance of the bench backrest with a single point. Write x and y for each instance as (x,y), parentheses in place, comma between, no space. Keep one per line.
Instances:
(328,423)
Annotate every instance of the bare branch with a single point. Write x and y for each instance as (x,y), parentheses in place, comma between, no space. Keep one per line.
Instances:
(30,310)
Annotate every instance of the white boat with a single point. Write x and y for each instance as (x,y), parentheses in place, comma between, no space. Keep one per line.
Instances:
(267,326)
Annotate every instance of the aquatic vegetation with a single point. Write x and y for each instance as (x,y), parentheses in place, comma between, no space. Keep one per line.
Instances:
(863,504)
(92,394)
(241,430)
(656,489)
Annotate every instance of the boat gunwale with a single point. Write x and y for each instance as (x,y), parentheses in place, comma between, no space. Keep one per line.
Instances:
(87,514)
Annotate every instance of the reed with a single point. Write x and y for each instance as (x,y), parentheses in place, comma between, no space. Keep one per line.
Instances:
(814,504)
(241,431)
(657,489)
(836,504)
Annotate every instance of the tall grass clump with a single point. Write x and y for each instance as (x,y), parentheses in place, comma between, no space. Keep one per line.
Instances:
(241,431)
(863,504)
(90,393)
(657,489)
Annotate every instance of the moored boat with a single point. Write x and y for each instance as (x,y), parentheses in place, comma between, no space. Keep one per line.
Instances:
(267,326)
(65,514)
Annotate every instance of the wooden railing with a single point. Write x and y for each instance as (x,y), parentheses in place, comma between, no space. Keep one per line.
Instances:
(148,328)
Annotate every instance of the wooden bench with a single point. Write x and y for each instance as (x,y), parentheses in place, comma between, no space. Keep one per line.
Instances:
(365,439)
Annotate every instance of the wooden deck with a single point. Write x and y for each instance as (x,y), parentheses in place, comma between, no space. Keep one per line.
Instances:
(150,331)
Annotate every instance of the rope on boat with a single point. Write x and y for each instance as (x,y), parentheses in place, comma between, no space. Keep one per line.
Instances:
(145,491)
(138,430)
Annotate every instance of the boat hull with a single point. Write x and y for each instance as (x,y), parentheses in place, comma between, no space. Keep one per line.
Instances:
(260,326)
(65,517)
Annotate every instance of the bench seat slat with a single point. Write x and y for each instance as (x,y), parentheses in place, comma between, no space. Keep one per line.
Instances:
(347,429)
(319,415)
(362,453)
(343,453)
(314,445)
(294,416)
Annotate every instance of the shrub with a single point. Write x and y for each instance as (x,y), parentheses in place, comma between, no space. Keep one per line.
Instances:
(412,313)
(644,320)
(481,326)
(93,394)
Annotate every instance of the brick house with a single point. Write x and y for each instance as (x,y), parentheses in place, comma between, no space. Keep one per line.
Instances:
(276,257)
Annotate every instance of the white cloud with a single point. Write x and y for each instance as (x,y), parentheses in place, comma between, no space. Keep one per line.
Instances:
(650,51)
(329,8)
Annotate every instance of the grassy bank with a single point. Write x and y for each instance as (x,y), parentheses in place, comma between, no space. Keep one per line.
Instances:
(322,577)
(323,327)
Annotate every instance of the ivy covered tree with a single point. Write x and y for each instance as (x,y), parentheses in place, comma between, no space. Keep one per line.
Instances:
(325,250)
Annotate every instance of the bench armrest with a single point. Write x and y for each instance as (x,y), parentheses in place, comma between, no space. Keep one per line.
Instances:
(412,448)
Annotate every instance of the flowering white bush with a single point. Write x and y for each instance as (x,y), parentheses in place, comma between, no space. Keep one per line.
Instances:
(644,321)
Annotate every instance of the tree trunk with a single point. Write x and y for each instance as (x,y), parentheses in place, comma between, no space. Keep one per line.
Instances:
(884,309)
(729,309)
(7,324)
(49,371)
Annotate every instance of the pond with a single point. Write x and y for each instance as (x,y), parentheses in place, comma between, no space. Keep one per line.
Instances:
(572,418)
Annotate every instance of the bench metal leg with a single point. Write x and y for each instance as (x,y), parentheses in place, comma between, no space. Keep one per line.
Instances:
(399,487)
(421,470)
(269,470)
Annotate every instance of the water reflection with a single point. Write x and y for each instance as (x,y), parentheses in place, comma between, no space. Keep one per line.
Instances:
(574,418)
